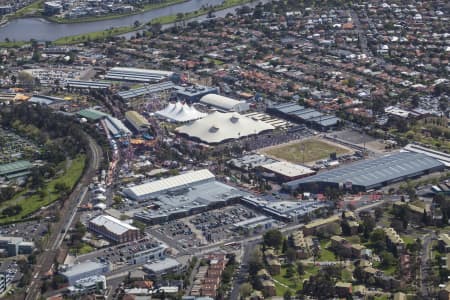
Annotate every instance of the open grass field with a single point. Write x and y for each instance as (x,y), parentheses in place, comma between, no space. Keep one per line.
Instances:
(31,202)
(294,283)
(305,151)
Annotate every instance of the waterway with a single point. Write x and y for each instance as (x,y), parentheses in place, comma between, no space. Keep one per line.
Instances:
(25,29)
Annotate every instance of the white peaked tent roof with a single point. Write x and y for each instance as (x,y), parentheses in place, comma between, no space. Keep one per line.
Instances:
(218,127)
(180,112)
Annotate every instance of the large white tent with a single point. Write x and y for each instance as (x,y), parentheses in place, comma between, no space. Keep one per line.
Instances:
(180,112)
(218,127)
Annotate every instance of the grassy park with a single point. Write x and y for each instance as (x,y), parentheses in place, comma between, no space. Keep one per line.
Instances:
(308,150)
(31,201)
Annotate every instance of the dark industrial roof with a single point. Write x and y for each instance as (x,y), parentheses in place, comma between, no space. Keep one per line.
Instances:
(18,166)
(374,172)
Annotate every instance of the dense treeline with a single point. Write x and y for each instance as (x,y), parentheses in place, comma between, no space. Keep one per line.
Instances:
(58,135)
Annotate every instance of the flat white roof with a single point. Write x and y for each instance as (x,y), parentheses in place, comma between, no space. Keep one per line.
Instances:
(162,265)
(114,225)
(288,169)
(220,101)
(168,183)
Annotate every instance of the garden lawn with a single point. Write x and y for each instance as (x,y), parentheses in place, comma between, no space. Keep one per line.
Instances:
(33,202)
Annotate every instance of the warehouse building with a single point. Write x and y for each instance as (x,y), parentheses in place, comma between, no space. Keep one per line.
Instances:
(113,229)
(89,85)
(84,270)
(137,121)
(224,104)
(138,75)
(370,174)
(150,89)
(300,114)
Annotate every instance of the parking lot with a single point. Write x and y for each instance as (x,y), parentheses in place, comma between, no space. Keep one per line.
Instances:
(30,231)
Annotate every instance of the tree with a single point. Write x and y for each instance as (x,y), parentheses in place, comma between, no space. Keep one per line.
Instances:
(255,262)
(25,79)
(273,238)
(291,254)
(387,259)
(245,290)
(287,295)
(300,269)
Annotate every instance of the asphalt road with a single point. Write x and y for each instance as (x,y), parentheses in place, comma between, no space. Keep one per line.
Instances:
(46,259)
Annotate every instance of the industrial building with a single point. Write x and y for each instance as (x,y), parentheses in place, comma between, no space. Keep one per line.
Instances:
(84,270)
(220,127)
(138,75)
(180,112)
(90,85)
(137,121)
(12,246)
(166,86)
(300,114)
(15,169)
(370,174)
(113,229)
(224,104)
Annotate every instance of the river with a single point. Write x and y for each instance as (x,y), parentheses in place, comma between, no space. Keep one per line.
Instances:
(25,29)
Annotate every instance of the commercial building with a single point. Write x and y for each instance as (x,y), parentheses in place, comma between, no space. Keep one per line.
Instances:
(137,121)
(224,104)
(84,270)
(287,211)
(152,189)
(159,268)
(12,246)
(180,112)
(300,114)
(88,285)
(113,229)
(220,127)
(52,7)
(194,93)
(3,283)
(138,75)
(155,253)
(371,174)
(116,127)
(441,156)
(16,169)
(178,197)
(285,171)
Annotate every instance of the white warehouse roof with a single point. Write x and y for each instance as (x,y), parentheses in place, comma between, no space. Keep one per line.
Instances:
(223,103)
(146,190)
(288,169)
(219,127)
(112,224)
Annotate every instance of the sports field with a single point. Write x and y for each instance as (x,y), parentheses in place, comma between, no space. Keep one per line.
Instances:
(305,151)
